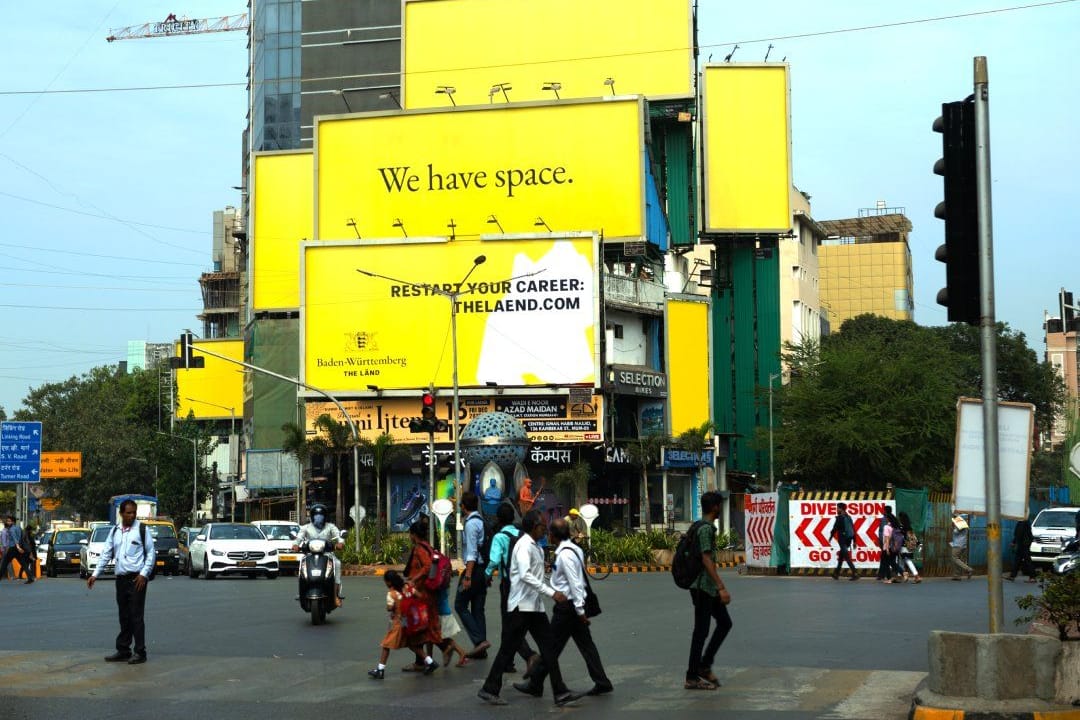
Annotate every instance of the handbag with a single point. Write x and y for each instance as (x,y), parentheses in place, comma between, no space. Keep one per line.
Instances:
(592,603)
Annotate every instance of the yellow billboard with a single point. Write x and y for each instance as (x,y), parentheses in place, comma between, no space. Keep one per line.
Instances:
(747,148)
(282,210)
(216,390)
(546,418)
(377,316)
(643,47)
(523,169)
(688,363)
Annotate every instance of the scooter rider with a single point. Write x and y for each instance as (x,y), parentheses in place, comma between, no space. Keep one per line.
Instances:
(319,529)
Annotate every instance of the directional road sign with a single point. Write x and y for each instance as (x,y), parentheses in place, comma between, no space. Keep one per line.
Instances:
(20,451)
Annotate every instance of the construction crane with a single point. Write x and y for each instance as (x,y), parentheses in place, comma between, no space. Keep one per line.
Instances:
(173,25)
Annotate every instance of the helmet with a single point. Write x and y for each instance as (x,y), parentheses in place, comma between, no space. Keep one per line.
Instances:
(318,509)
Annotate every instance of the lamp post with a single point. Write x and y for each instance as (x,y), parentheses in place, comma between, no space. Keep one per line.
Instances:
(234,463)
(772,480)
(194,473)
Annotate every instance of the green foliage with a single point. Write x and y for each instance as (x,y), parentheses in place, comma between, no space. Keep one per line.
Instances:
(644,453)
(391,551)
(661,540)
(630,548)
(876,402)
(730,539)
(576,480)
(1059,603)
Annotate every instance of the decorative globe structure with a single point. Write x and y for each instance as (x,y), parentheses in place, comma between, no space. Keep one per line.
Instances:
(495,437)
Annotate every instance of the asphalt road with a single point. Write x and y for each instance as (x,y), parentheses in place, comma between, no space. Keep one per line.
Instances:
(236,648)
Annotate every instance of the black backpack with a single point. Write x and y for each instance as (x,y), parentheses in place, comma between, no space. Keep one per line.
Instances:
(142,536)
(484,551)
(686,564)
(504,566)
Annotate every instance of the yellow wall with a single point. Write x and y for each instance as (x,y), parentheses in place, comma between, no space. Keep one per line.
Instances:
(864,278)
(471,45)
(220,382)
(577,165)
(688,363)
(282,211)
(747,148)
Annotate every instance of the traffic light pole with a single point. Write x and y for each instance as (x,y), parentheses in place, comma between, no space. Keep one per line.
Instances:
(988,332)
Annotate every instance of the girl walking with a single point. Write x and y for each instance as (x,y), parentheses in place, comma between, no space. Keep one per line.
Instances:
(911,544)
(397,637)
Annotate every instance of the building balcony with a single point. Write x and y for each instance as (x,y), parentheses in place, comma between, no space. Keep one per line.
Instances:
(634,294)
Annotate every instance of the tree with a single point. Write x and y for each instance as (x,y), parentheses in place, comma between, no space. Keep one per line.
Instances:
(296,443)
(385,454)
(576,480)
(335,440)
(876,402)
(697,440)
(644,453)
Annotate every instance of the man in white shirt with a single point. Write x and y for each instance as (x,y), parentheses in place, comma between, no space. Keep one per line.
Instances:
(526,614)
(568,619)
(134,552)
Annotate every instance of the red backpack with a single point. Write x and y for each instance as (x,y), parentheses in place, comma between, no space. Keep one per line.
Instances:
(438,577)
(414,611)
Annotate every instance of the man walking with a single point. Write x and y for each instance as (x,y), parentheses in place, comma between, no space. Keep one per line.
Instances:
(568,619)
(844,532)
(499,559)
(527,616)
(133,549)
(5,544)
(1021,542)
(959,545)
(472,587)
(16,551)
(710,599)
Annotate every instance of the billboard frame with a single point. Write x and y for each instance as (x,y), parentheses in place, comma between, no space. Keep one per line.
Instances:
(463,390)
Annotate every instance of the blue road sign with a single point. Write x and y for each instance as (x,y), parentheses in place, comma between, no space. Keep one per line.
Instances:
(20,451)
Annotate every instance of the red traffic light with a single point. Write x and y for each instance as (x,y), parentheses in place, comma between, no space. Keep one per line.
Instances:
(428,406)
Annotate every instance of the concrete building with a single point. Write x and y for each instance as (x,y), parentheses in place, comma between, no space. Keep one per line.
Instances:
(800,276)
(1062,334)
(866,266)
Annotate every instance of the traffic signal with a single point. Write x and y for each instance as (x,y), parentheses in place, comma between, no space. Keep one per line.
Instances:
(1068,310)
(186,358)
(960,211)
(427,422)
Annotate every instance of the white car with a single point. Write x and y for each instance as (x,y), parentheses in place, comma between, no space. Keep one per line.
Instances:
(1051,530)
(282,534)
(90,552)
(232,549)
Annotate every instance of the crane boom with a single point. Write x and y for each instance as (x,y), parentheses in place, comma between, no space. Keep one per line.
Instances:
(173,25)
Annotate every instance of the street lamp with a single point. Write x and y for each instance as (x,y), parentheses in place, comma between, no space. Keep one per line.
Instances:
(772,480)
(234,448)
(194,473)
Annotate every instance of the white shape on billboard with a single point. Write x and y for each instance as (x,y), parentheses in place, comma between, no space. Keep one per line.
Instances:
(1015,431)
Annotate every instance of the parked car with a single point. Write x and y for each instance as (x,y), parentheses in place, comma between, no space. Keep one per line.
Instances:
(91,552)
(1051,530)
(166,546)
(232,549)
(282,534)
(64,548)
(184,539)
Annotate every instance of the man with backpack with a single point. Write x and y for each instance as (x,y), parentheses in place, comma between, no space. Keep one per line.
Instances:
(134,552)
(708,594)
(502,547)
(472,588)
(844,532)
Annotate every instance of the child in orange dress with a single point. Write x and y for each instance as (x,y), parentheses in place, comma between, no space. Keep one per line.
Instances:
(396,638)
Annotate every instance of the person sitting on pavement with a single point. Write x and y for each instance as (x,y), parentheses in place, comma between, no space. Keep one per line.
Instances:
(319,529)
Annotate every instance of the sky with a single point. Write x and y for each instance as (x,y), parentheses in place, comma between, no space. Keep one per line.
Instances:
(107,194)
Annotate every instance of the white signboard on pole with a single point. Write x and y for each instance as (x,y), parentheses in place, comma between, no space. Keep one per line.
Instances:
(1016,427)
(759,513)
(810,523)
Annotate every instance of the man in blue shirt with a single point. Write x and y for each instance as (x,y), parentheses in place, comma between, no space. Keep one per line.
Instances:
(134,552)
(472,588)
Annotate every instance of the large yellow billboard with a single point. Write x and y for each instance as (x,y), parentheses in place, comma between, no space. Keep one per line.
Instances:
(215,391)
(282,200)
(688,363)
(747,148)
(523,169)
(377,316)
(587,48)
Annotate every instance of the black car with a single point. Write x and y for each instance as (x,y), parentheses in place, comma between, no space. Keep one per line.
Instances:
(63,553)
(166,546)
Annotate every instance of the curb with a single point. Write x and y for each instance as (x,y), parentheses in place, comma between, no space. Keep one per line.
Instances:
(921,712)
(380,570)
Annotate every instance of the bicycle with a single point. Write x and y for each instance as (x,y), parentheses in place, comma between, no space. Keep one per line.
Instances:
(596,563)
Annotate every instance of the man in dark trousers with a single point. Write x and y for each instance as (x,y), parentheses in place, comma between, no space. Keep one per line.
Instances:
(133,550)
(1021,542)
(526,614)
(472,587)
(844,532)
(710,599)
(568,620)
(19,549)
